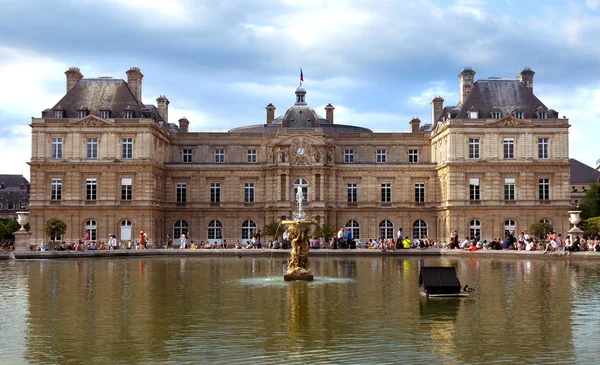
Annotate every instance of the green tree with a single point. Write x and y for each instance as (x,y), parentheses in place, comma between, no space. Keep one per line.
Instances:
(3,231)
(590,226)
(325,231)
(590,203)
(55,227)
(541,230)
(273,229)
(11,227)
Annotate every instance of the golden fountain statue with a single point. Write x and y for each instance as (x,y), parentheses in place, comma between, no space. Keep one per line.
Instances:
(298,229)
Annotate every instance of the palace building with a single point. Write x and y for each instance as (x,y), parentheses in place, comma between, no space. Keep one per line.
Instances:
(104,162)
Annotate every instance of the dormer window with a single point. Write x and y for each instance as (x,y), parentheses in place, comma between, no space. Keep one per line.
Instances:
(81,114)
(542,115)
(495,115)
(519,115)
(59,114)
(128,114)
(473,115)
(105,114)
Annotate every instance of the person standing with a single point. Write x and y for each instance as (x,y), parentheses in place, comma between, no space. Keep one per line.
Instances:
(182,239)
(86,237)
(169,242)
(399,238)
(143,240)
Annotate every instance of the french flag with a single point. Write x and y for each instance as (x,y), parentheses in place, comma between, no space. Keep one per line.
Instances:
(301,75)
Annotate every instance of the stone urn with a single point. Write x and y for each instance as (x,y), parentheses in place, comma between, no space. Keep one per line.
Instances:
(574,218)
(23,219)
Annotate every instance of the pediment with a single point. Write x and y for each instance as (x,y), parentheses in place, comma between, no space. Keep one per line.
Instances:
(510,121)
(92,120)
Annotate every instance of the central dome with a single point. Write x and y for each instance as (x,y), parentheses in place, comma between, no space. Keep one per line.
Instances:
(300,116)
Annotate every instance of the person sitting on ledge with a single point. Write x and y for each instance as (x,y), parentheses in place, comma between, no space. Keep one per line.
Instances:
(224,245)
(192,245)
(406,243)
(238,245)
(101,247)
(92,246)
(249,245)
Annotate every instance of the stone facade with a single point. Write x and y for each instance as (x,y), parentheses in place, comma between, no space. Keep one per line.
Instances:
(114,165)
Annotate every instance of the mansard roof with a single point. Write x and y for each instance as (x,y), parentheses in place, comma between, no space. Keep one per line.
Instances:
(13,181)
(101,94)
(503,95)
(582,173)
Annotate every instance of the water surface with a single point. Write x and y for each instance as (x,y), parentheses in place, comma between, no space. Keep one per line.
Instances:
(230,310)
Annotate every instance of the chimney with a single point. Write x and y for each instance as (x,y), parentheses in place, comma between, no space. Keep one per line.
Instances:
(437,105)
(134,80)
(415,124)
(467,79)
(183,124)
(270,113)
(526,77)
(163,107)
(329,112)
(73,77)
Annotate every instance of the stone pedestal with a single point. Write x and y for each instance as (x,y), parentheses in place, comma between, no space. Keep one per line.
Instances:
(296,277)
(22,240)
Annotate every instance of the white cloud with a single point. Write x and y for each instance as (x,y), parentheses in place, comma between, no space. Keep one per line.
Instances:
(378,121)
(16,150)
(593,4)
(437,88)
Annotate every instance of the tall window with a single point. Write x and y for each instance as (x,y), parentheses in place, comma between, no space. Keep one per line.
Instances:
(248,227)
(544,189)
(215,230)
(126,188)
(125,230)
(419,192)
(509,148)
(413,156)
(543,145)
(509,188)
(90,189)
(90,226)
(128,114)
(251,156)
(215,192)
(180,227)
(474,148)
(55,189)
(474,189)
(92,148)
(386,230)
(354,227)
(348,156)
(381,156)
(219,155)
(127,148)
(181,192)
(56,147)
(509,227)
(419,229)
(352,192)
(249,192)
(475,229)
(187,156)
(303,184)
(386,192)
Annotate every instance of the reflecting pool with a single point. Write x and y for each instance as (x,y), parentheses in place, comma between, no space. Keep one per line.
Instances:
(232,310)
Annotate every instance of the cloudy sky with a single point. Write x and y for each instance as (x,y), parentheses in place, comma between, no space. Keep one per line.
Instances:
(379,62)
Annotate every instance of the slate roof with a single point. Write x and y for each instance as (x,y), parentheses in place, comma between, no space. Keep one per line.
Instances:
(13,182)
(582,173)
(101,94)
(12,192)
(503,95)
(278,123)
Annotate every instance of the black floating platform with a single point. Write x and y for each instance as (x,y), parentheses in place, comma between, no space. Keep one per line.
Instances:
(296,277)
(436,281)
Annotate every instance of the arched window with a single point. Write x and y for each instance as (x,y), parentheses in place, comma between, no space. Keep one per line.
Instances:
(248,227)
(302,184)
(509,226)
(125,230)
(215,230)
(475,229)
(386,230)
(354,227)
(90,226)
(419,229)
(545,221)
(180,227)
